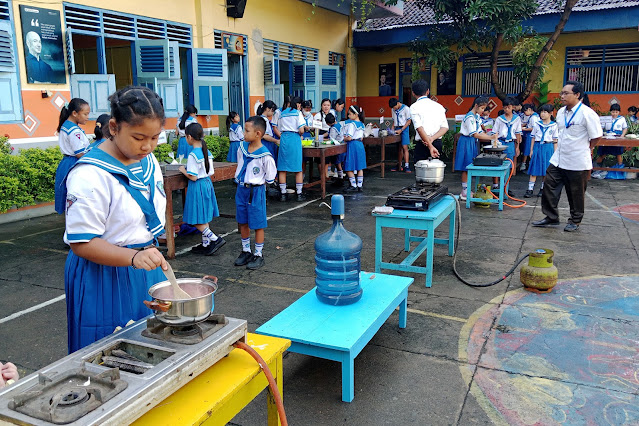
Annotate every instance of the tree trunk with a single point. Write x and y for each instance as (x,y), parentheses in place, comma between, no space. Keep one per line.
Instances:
(494,75)
(534,74)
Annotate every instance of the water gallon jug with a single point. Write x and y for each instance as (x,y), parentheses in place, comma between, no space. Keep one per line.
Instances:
(337,259)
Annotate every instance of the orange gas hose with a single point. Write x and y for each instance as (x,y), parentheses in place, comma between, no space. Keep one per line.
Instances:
(269,376)
(512,169)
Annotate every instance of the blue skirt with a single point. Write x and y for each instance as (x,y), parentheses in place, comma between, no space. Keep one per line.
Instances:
(466,152)
(510,150)
(616,175)
(66,164)
(200,206)
(184,149)
(100,298)
(232,155)
(540,159)
(527,141)
(272,148)
(340,158)
(290,154)
(355,156)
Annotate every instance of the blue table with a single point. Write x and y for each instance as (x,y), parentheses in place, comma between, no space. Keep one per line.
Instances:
(500,172)
(423,221)
(339,333)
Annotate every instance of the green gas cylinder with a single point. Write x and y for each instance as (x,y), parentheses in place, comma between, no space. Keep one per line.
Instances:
(482,192)
(540,275)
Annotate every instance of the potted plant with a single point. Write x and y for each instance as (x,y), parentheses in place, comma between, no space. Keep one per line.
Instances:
(631,160)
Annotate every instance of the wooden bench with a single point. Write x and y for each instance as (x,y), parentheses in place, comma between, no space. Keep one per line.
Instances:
(626,143)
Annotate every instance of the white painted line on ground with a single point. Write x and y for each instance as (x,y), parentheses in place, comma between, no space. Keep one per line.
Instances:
(31,235)
(31,309)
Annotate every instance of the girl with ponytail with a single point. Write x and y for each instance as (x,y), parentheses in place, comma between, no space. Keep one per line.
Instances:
(189,116)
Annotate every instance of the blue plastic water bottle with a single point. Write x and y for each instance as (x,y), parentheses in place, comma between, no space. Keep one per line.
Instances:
(337,259)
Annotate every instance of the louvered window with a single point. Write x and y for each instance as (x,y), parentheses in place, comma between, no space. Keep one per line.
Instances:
(329,77)
(107,23)
(289,52)
(604,69)
(209,65)
(217,34)
(337,59)
(5,11)
(476,75)
(10,106)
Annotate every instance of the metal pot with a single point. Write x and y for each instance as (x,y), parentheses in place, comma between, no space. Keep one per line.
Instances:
(183,311)
(429,171)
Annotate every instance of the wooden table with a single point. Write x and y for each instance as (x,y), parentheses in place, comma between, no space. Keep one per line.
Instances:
(381,141)
(625,142)
(500,172)
(222,391)
(321,152)
(174,180)
(427,221)
(339,333)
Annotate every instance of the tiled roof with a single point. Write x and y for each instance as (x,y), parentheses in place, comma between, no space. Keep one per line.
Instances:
(414,15)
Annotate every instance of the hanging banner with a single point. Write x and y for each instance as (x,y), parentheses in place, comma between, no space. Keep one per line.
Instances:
(42,36)
(233,43)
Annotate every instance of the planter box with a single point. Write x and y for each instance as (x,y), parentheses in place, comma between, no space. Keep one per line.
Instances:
(28,212)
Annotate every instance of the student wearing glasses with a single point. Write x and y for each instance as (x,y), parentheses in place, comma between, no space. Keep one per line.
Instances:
(579,130)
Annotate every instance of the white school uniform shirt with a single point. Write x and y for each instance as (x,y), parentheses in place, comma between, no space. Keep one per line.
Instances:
(576,129)
(308,117)
(261,166)
(336,132)
(276,117)
(291,120)
(617,125)
(319,116)
(354,129)
(428,115)
(269,129)
(195,164)
(98,205)
(532,120)
(507,130)
(471,124)
(545,133)
(189,120)
(72,139)
(401,116)
(236,133)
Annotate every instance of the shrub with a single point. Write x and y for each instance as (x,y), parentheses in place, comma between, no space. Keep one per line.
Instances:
(218,145)
(161,153)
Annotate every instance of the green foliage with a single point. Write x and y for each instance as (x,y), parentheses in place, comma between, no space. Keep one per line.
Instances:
(525,54)
(633,128)
(218,145)
(5,146)
(544,91)
(448,142)
(631,157)
(161,153)
(28,177)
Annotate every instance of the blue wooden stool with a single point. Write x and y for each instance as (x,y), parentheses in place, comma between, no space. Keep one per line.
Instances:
(339,333)
(422,221)
(500,172)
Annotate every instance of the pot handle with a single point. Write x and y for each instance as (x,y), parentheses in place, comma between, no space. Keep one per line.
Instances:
(210,277)
(158,306)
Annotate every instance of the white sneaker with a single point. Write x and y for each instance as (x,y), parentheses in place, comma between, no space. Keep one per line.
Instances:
(522,168)
(462,196)
(602,174)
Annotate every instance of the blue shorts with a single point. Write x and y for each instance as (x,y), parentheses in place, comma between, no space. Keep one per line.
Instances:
(405,136)
(251,210)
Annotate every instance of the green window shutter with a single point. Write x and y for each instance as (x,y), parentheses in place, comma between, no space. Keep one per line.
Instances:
(269,70)
(10,105)
(152,59)
(95,89)
(329,82)
(275,93)
(209,85)
(312,83)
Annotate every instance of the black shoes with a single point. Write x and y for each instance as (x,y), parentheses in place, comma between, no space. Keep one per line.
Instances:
(351,189)
(283,197)
(540,193)
(528,193)
(256,262)
(545,222)
(213,246)
(301,197)
(571,227)
(198,249)
(244,258)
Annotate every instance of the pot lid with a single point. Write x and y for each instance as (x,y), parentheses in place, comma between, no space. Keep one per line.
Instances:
(435,163)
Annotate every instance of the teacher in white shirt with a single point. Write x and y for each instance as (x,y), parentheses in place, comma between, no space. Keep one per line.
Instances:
(429,119)
(570,165)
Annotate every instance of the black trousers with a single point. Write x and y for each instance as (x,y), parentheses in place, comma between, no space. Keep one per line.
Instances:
(423,153)
(575,181)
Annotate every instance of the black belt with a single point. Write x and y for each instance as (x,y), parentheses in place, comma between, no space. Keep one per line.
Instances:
(251,186)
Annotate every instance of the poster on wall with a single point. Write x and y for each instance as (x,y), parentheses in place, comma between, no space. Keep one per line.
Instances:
(446,82)
(43,51)
(387,77)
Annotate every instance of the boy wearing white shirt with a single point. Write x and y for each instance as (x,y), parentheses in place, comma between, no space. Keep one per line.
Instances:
(429,119)
(401,122)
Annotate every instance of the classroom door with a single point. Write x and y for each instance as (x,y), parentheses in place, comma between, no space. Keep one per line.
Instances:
(235,85)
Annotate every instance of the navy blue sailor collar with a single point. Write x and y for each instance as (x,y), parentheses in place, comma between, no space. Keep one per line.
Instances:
(139,175)
(258,153)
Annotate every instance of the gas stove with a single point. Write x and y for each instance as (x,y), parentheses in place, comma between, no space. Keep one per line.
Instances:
(420,196)
(122,376)
(489,159)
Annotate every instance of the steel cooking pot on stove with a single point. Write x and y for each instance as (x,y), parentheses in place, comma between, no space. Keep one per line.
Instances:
(429,171)
(183,311)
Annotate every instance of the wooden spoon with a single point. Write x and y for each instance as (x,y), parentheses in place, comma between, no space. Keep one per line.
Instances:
(178,293)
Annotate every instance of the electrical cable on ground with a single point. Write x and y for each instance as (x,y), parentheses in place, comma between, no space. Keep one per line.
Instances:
(269,376)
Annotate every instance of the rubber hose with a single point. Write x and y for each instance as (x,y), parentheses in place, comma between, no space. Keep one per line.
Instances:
(508,181)
(457,232)
(269,376)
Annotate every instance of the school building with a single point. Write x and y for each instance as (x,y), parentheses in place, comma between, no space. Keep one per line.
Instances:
(599,47)
(215,54)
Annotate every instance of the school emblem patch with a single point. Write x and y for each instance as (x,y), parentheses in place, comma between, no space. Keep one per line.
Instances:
(256,170)
(160,186)
(70,200)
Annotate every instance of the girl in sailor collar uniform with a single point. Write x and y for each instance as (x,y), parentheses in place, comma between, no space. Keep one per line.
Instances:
(236,135)
(276,117)
(73,144)
(355,153)
(528,123)
(115,209)
(291,124)
(545,134)
(189,116)
(508,128)
(200,206)
(266,110)
(101,130)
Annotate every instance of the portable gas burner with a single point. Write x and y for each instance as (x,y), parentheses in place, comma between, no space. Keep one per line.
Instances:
(419,196)
(122,376)
(489,159)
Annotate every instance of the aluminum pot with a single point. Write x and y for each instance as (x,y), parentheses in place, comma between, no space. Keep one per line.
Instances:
(429,171)
(183,311)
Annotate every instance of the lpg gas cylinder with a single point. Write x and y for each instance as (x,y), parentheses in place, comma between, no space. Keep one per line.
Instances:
(540,275)
(482,192)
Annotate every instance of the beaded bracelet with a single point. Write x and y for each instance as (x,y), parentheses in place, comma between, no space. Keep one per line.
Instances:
(133,258)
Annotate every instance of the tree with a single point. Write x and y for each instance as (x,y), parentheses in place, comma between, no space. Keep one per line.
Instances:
(472,26)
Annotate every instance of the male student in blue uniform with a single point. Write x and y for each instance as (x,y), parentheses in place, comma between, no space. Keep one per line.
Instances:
(401,121)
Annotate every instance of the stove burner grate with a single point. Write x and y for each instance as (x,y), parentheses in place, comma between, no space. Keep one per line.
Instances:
(70,398)
(186,335)
(416,197)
